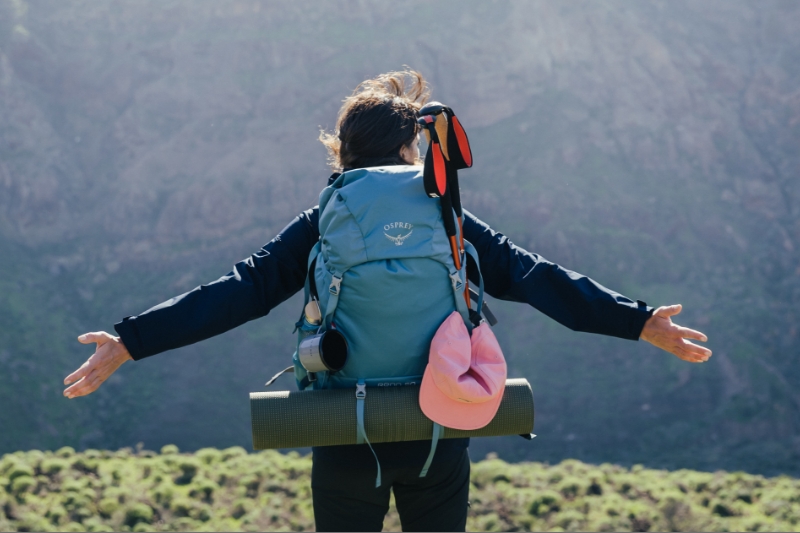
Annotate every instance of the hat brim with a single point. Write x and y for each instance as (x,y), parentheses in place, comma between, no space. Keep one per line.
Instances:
(451,413)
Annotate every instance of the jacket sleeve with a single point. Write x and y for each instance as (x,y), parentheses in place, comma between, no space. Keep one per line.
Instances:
(254,287)
(572,299)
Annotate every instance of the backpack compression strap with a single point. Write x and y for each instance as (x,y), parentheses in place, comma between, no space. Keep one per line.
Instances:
(361,433)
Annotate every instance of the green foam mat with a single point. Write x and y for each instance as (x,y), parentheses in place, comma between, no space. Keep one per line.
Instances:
(286,419)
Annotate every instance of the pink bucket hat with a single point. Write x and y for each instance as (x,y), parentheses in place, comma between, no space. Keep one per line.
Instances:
(465,377)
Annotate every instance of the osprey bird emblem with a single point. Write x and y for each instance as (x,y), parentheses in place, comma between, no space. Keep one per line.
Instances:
(400,239)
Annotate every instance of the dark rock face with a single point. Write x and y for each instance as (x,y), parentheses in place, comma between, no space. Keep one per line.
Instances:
(652,146)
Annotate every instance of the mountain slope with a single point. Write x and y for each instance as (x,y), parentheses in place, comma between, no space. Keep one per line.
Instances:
(651,146)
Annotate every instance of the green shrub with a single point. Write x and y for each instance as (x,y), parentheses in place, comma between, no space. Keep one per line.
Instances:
(19,470)
(241,507)
(208,455)
(80,514)
(66,451)
(138,513)
(723,508)
(163,493)
(56,514)
(53,466)
(107,506)
(203,489)
(86,465)
(572,487)
(169,449)
(595,488)
(22,484)
(233,452)
(571,520)
(32,521)
(181,506)
(201,512)
(188,467)
(545,502)
(250,483)
(185,523)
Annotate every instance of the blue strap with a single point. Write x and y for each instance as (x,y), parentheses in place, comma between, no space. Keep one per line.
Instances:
(438,432)
(457,283)
(311,256)
(333,300)
(474,254)
(361,434)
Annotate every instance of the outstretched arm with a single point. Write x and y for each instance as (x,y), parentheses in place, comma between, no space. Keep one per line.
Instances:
(254,287)
(572,299)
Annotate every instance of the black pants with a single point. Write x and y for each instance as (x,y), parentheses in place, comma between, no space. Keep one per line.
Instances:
(345,497)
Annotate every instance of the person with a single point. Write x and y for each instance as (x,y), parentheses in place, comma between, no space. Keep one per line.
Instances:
(377,126)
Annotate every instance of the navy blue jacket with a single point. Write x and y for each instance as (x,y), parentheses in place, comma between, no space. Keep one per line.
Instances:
(261,282)
(276,272)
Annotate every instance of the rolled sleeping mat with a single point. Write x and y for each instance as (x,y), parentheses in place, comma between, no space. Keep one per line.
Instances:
(284,419)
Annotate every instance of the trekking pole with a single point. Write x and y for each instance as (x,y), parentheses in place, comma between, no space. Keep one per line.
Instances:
(459,155)
(454,146)
(436,184)
(453,190)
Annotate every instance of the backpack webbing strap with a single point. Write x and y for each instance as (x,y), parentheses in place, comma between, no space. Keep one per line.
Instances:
(470,249)
(312,262)
(333,300)
(311,266)
(279,374)
(438,432)
(458,293)
(361,434)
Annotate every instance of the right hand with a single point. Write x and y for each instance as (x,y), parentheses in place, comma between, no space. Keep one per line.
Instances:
(660,331)
(108,356)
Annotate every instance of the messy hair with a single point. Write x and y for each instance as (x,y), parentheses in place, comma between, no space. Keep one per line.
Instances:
(376,121)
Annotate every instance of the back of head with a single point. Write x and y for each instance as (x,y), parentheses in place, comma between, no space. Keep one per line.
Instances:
(376,121)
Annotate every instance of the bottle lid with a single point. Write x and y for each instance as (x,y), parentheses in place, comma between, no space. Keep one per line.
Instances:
(312,312)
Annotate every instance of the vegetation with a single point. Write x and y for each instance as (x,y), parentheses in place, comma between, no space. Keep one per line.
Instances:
(232,490)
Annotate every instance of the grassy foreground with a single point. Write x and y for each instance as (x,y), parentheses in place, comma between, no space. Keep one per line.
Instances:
(228,490)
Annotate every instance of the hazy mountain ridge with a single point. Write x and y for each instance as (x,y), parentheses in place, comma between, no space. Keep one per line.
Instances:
(651,146)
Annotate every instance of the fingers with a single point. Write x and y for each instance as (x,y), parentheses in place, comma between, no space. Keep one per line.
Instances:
(692,352)
(702,351)
(668,310)
(78,374)
(687,333)
(85,386)
(99,337)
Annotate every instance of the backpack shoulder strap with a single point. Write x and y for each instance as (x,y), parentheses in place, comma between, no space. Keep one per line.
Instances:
(470,249)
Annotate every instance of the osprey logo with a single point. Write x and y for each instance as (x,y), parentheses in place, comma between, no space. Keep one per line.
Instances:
(399,239)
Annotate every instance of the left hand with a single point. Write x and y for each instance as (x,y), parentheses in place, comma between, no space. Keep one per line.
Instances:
(660,331)
(108,356)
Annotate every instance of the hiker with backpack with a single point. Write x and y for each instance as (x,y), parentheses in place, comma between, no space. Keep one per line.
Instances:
(387,261)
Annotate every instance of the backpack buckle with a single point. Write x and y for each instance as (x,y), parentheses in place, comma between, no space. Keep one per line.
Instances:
(336,283)
(455,279)
(361,391)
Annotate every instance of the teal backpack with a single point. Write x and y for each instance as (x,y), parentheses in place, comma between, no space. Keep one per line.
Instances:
(383,275)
